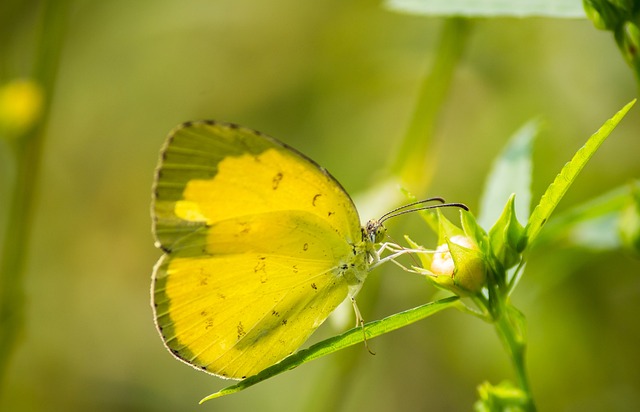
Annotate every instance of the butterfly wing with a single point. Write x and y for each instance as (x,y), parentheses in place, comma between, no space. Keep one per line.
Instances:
(255,237)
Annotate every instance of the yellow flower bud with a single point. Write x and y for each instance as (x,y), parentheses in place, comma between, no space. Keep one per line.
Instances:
(20,106)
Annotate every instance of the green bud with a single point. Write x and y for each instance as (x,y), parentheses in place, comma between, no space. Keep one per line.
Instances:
(457,264)
(506,235)
(502,397)
(622,17)
(606,14)
(628,39)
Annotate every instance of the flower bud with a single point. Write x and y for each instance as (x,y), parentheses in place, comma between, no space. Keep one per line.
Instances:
(457,264)
(606,14)
(502,397)
(506,236)
(620,17)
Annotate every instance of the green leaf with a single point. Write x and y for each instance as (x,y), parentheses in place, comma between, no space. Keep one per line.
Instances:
(490,8)
(567,175)
(511,173)
(331,345)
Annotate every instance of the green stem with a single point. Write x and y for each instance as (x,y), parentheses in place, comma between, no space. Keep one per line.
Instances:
(14,251)
(411,159)
(510,327)
(28,153)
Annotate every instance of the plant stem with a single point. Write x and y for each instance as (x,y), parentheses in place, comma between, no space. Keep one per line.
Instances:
(12,295)
(28,153)
(510,327)
(411,159)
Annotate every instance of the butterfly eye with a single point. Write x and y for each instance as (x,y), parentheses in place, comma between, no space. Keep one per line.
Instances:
(379,233)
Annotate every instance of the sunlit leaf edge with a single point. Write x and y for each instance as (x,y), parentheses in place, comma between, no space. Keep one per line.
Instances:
(490,8)
(611,202)
(556,190)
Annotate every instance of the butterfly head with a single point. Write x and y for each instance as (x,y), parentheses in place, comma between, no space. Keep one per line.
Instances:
(374,231)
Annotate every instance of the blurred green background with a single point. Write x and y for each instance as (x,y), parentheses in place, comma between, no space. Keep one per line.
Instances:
(338,81)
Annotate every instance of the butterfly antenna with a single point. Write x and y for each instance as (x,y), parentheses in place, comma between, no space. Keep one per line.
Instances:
(419,202)
(403,209)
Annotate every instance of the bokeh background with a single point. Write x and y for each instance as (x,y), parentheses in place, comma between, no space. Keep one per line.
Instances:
(337,80)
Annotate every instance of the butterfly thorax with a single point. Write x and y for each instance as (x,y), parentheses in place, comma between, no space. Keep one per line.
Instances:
(356,266)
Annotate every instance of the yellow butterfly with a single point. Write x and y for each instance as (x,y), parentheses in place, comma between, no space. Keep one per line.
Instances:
(260,245)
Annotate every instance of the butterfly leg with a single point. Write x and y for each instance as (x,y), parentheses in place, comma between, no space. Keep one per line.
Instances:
(395,252)
(360,324)
(388,246)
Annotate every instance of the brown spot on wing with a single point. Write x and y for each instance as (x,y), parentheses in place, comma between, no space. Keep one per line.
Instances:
(275,182)
(241,331)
